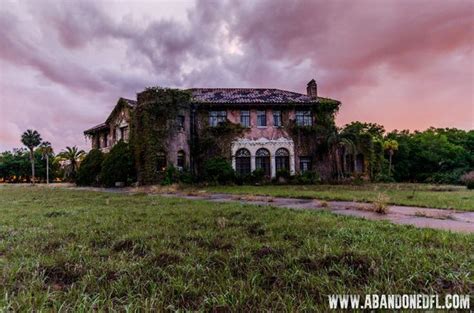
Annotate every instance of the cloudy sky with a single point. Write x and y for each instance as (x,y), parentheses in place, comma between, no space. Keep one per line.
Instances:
(406,64)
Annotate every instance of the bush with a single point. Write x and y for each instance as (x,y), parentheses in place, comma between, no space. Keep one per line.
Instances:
(89,171)
(171,176)
(468,179)
(258,176)
(308,177)
(118,166)
(218,170)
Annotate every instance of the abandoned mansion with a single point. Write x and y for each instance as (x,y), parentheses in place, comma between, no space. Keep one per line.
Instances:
(252,128)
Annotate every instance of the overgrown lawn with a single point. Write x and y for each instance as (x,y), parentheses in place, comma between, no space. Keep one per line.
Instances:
(80,250)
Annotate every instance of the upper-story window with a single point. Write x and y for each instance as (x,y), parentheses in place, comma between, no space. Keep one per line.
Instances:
(261,118)
(123,133)
(245,118)
(216,117)
(180,121)
(277,118)
(304,118)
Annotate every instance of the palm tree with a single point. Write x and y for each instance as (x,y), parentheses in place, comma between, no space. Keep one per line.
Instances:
(46,150)
(391,146)
(337,144)
(31,139)
(73,155)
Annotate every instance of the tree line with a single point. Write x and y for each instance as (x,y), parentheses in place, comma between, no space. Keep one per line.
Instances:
(435,155)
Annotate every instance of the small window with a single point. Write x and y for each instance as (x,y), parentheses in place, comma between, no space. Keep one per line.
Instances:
(161,161)
(304,118)
(277,118)
(181,160)
(180,121)
(245,118)
(105,143)
(305,164)
(217,117)
(261,118)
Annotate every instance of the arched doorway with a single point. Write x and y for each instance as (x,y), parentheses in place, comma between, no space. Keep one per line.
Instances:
(262,161)
(282,159)
(359,166)
(242,162)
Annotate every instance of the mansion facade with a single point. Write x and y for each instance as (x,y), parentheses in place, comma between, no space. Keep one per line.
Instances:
(264,114)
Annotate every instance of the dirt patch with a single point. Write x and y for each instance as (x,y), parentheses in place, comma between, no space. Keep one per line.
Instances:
(239,266)
(51,246)
(55,214)
(62,275)
(164,259)
(266,252)
(361,265)
(256,229)
(219,244)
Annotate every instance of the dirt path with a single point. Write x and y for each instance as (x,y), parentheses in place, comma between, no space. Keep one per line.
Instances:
(457,221)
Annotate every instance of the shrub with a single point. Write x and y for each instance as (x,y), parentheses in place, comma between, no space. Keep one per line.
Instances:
(171,176)
(89,171)
(118,166)
(218,170)
(307,177)
(283,176)
(258,176)
(468,179)
(380,205)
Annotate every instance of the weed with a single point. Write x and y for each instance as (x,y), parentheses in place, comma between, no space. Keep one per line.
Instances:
(380,205)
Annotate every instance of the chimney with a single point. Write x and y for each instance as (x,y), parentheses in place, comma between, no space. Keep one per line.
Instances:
(312,89)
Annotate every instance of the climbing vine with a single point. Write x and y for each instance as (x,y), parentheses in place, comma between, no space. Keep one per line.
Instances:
(152,124)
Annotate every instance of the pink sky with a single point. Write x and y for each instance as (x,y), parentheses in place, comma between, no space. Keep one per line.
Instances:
(406,64)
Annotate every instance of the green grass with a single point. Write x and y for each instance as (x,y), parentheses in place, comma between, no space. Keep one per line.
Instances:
(81,250)
(422,195)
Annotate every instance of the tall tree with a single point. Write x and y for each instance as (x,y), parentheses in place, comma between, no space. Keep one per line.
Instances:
(390,146)
(338,144)
(73,155)
(31,139)
(46,150)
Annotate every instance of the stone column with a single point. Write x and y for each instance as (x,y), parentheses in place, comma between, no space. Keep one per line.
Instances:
(272,165)
(292,163)
(252,163)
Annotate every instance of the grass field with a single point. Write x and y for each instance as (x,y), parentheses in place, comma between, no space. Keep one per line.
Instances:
(80,250)
(422,195)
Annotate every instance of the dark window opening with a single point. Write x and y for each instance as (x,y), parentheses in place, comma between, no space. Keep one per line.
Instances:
(217,117)
(305,164)
(359,166)
(242,162)
(277,118)
(161,162)
(180,122)
(262,161)
(304,118)
(261,118)
(245,118)
(282,159)
(181,159)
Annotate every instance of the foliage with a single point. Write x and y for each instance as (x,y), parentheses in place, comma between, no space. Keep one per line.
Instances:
(31,139)
(218,170)
(468,179)
(91,166)
(171,176)
(307,177)
(72,156)
(380,204)
(439,155)
(15,166)
(66,250)
(118,166)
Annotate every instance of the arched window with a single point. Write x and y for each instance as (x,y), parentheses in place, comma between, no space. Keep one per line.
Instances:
(161,161)
(349,163)
(181,162)
(242,161)
(282,159)
(262,160)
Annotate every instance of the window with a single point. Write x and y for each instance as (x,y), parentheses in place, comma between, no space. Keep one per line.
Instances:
(261,119)
(123,133)
(305,164)
(282,159)
(277,118)
(245,118)
(161,161)
(262,161)
(303,118)
(216,117)
(242,162)
(359,163)
(180,122)
(105,143)
(181,160)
